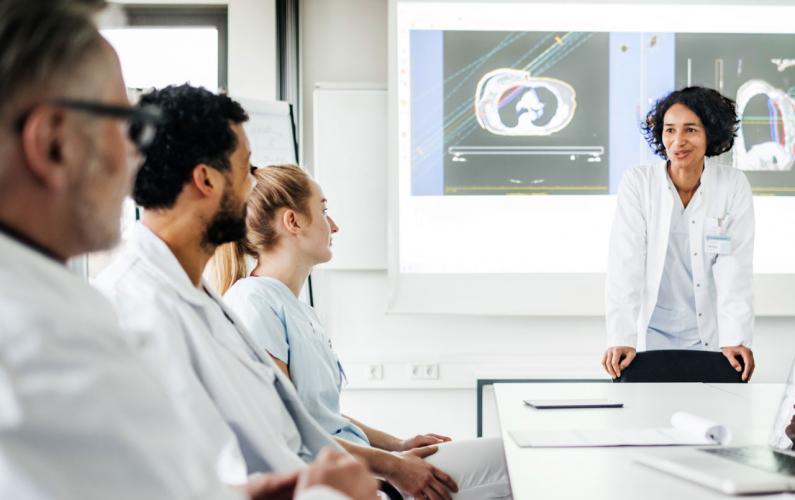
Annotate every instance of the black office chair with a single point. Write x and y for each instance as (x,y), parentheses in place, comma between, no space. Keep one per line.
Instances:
(680,366)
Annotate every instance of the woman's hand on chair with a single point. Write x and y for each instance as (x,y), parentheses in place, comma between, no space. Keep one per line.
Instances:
(731,353)
(617,358)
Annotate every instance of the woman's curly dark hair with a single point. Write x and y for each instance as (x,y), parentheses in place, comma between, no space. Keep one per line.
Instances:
(716,112)
(195,129)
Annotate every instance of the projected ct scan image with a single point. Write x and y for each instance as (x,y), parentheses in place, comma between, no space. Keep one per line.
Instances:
(507,112)
(519,112)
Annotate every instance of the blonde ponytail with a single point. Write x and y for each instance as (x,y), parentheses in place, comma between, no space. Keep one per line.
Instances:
(229,265)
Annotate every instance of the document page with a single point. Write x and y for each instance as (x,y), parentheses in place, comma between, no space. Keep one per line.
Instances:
(686,429)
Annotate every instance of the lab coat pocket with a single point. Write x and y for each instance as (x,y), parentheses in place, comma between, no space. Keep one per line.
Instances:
(719,224)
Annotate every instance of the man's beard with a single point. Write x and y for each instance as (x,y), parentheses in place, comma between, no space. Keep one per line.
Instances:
(228,224)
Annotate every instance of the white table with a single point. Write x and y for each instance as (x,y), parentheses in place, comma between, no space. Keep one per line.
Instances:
(611,473)
(534,372)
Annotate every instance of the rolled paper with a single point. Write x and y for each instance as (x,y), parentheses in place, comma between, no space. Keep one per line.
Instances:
(719,434)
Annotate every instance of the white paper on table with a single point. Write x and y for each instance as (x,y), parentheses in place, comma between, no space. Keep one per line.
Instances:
(687,429)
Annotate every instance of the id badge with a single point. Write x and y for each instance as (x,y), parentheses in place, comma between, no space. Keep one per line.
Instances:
(720,244)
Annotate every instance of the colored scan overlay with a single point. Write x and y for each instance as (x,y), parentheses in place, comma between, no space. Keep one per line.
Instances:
(757,71)
(509,113)
(559,113)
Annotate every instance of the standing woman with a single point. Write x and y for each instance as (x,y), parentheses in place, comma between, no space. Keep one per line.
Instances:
(680,267)
(288,233)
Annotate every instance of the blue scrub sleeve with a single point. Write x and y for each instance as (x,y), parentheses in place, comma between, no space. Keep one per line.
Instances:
(264,322)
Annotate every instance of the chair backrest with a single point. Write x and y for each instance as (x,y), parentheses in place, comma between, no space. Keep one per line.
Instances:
(680,366)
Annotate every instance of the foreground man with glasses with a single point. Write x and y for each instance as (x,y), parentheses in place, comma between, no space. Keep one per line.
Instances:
(81,417)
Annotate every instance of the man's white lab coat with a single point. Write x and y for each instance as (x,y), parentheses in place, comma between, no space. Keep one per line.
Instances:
(82,417)
(158,304)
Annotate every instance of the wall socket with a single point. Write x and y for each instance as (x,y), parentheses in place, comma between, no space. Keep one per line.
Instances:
(424,371)
(375,372)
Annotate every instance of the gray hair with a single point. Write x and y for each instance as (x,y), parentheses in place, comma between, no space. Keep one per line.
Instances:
(41,41)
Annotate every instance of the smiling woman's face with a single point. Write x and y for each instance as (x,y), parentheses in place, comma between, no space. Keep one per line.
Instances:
(684,137)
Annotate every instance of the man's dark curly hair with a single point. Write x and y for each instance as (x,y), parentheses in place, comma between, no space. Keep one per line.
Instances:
(716,112)
(195,129)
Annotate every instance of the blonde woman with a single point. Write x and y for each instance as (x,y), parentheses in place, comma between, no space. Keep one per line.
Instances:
(289,231)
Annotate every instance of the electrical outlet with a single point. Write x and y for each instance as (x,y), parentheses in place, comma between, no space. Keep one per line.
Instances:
(375,372)
(424,371)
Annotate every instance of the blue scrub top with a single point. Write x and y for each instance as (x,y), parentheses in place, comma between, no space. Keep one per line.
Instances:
(673,323)
(291,332)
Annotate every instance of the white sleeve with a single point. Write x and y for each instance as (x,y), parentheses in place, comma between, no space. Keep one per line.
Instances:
(626,264)
(321,493)
(733,272)
(84,419)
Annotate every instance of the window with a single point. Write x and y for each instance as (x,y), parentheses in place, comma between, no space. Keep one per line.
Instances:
(174,19)
(159,56)
(161,46)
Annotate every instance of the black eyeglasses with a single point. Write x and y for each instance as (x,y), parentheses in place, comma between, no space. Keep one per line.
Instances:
(141,121)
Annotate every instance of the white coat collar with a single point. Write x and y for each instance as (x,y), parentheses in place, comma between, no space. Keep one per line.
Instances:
(149,247)
(706,176)
(20,255)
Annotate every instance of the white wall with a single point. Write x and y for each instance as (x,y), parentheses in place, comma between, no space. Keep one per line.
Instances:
(346,41)
(341,41)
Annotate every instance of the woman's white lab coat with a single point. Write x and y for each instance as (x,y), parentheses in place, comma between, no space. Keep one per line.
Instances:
(722,282)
